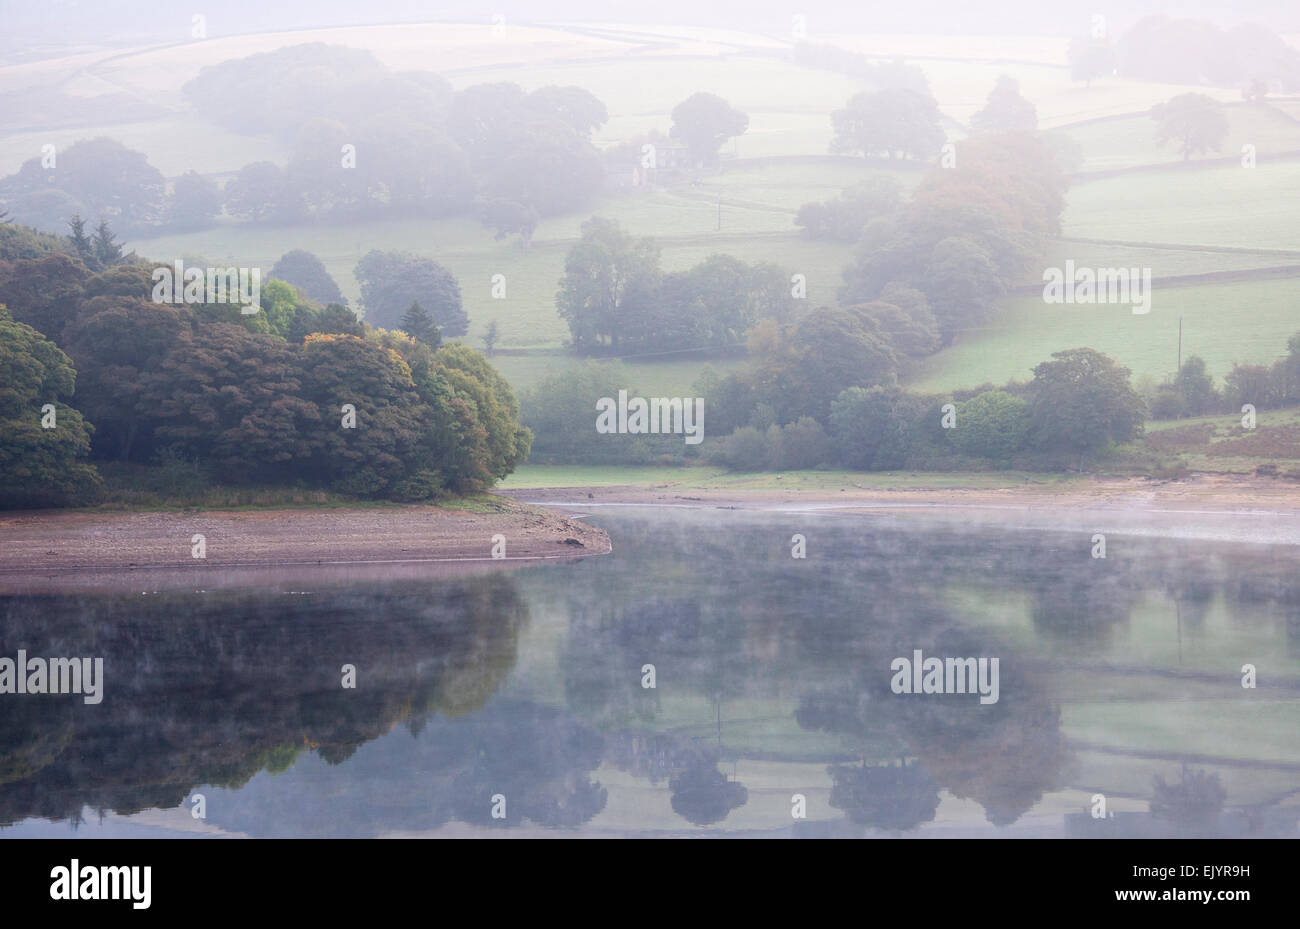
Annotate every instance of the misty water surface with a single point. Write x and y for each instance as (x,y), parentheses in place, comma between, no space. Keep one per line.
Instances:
(772,679)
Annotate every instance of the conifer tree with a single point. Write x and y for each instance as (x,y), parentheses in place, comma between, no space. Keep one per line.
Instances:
(419,325)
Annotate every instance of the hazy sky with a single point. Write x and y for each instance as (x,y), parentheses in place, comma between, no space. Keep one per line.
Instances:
(121,22)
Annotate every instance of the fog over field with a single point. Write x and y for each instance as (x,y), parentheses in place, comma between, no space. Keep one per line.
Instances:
(729,419)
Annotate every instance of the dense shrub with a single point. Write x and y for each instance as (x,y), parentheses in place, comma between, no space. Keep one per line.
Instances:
(993,425)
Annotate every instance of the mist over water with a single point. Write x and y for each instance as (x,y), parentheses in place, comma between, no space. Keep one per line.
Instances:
(339,343)
(772,678)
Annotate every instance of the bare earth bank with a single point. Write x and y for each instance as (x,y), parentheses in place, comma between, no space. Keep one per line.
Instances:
(85,549)
(53,542)
(1214,492)
(1225,508)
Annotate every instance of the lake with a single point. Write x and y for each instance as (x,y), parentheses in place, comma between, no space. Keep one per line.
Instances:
(698,680)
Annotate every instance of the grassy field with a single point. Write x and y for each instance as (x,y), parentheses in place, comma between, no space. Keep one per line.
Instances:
(685,226)
(169,143)
(159,73)
(1246,322)
(789,109)
(787,185)
(649,377)
(962,69)
(1231,205)
(1219,443)
(1125,143)
(1025,331)
(789,106)
(1169,261)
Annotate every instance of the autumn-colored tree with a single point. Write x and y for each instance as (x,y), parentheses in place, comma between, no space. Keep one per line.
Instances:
(232,399)
(44,293)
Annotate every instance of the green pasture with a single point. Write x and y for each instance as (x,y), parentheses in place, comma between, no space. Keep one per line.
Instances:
(1247,322)
(526,317)
(1226,206)
(775,169)
(1128,142)
(1164,262)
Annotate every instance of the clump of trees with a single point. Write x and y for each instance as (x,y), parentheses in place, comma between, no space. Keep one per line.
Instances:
(98,177)
(560,411)
(894,122)
(1192,391)
(367,141)
(968,233)
(293,394)
(846,217)
(391,281)
(617,299)
(1078,404)
(193,203)
(363,141)
(1189,51)
(925,270)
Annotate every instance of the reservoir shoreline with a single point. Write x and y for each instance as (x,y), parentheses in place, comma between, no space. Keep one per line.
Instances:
(56,546)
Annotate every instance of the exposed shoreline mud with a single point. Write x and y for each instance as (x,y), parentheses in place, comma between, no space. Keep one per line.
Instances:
(1226,508)
(1219,493)
(61,550)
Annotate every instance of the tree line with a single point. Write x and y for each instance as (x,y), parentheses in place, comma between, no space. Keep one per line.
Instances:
(617,299)
(1078,405)
(1192,391)
(296,394)
(363,142)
